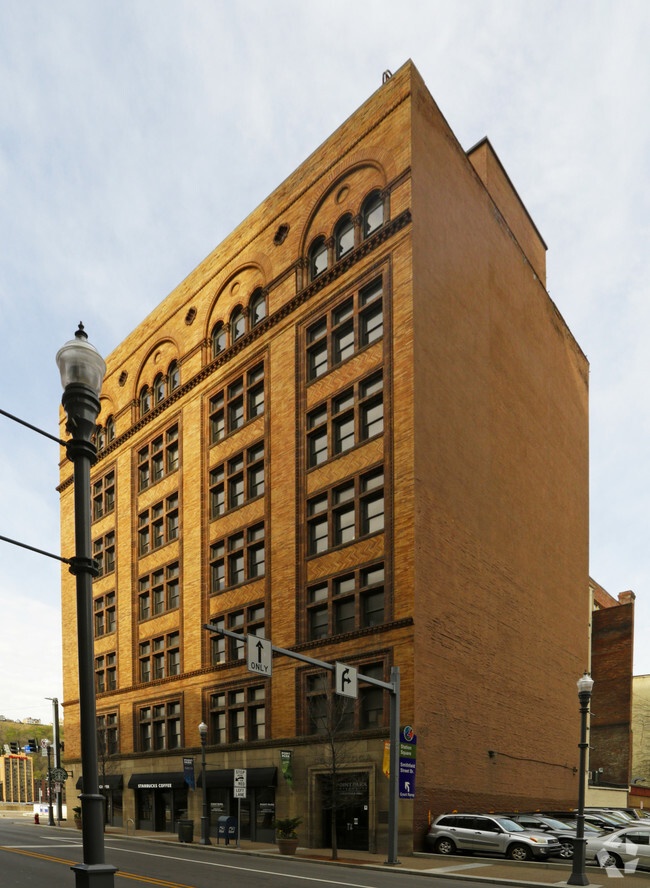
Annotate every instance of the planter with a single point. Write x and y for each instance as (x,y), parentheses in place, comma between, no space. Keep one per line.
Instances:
(77,822)
(287,846)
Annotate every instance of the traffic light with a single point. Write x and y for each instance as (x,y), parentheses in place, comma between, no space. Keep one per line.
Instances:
(13,746)
(31,745)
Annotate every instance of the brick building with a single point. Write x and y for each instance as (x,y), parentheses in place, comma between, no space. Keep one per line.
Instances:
(358,427)
(16,779)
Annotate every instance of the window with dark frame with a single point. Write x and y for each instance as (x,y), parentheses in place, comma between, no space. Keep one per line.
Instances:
(344,237)
(372,214)
(107,734)
(106,672)
(160,726)
(104,554)
(238,714)
(237,559)
(257,307)
(237,481)
(159,591)
(328,713)
(317,258)
(346,512)
(104,614)
(351,325)
(238,403)
(104,495)
(158,525)
(218,339)
(158,458)
(346,602)
(159,657)
(248,620)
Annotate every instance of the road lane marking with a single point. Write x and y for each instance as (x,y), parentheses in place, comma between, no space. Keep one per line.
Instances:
(186,860)
(458,866)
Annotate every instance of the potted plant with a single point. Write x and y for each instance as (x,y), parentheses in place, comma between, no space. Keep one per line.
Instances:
(287,837)
(77,816)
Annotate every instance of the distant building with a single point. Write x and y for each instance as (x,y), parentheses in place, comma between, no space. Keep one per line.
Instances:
(612,655)
(17,778)
(359,428)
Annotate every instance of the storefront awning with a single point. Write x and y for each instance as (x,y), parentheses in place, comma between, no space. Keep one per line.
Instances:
(254,777)
(167,780)
(108,781)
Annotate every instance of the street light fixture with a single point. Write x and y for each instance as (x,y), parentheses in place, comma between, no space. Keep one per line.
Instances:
(578,875)
(82,371)
(205,817)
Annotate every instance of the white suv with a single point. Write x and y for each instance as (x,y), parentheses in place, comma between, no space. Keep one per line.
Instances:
(490,835)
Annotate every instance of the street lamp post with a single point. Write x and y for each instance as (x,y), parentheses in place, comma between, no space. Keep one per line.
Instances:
(205,817)
(82,371)
(578,875)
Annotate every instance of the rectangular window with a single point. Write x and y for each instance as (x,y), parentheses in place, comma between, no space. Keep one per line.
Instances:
(350,326)
(241,401)
(160,657)
(238,559)
(104,496)
(104,614)
(329,714)
(347,419)
(238,715)
(346,512)
(159,726)
(346,602)
(158,525)
(241,478)
(159,591)
(158,458)
(104,554)
(107,734)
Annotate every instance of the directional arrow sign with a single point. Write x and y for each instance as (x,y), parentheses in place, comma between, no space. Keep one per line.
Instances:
(259,655)
(346,682)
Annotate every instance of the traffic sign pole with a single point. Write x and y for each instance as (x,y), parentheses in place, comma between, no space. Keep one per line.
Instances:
(393,689)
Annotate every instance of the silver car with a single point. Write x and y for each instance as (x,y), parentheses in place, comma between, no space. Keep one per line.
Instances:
(488,834)
(632,843)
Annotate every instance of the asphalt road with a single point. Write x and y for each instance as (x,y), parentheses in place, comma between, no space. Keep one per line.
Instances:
(42,856)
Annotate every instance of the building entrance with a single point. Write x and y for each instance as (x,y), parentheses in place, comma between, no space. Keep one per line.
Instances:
(349,799)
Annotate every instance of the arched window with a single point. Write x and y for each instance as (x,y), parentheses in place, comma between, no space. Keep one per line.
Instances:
(372,213)
(237,325)
(110,430)
(159,389)
(258,307)
(145,400)
(344,236)
(173,377)
(218,339)
(317,258)
(100,439)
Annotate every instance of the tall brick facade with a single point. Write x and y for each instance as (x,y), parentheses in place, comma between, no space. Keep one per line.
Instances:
(359,426)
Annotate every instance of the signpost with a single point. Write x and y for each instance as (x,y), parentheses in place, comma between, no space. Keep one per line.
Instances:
(407,748)
(259,652)
(239,788)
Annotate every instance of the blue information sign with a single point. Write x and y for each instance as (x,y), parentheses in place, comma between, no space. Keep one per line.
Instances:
(407,749)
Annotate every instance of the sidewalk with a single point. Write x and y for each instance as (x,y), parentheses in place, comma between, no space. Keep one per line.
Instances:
(492,870)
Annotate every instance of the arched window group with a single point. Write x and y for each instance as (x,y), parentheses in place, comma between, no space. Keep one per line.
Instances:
(241,320)
(105,435)
(163,386)
(372,218)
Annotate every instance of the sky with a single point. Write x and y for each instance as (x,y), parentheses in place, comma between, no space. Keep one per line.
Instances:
(134,136)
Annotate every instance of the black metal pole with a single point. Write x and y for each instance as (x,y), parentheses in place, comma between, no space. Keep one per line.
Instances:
(49,786)
(578,875)
(57,756)
(205,817)
(82,407)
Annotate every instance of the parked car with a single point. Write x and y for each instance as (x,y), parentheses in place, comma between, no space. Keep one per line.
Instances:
(620,846)
(593,818)
(490,834)
(564,833)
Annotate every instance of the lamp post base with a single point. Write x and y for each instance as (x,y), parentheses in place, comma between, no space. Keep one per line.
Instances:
(577,879)
(205,831)
(97,875)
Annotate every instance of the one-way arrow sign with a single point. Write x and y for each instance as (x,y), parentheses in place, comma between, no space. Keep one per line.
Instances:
(259,655)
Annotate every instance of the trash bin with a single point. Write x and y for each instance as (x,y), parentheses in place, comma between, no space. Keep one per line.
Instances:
(227,828)
(185,830)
